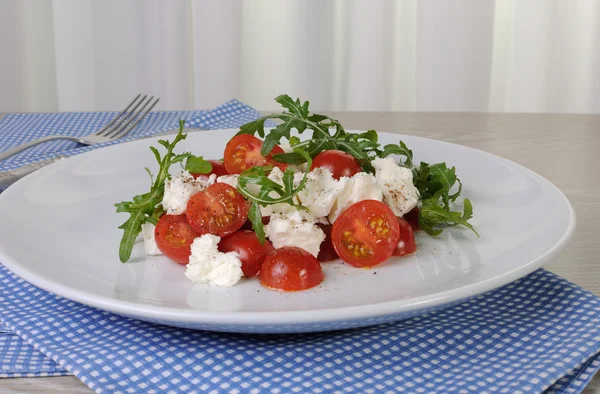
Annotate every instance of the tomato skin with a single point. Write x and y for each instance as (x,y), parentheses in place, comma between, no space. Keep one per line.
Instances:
(243,152)
(218,168)
(406,242)
(218,210)
(339,163)
(246,244)
(366,233)
(290,269)
(174,236)
(326,252)
(412,217)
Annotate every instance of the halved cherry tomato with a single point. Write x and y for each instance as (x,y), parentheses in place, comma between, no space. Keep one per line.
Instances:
(174,236)
(339,163)
(406,241)
(218,168)
(218,210)
(366,233)
(412,217)
(290,269)
(247,245)
(243,152)
(326,252)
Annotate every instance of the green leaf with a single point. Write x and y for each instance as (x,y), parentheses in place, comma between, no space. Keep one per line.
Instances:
(294,140)
(370,135)
(433,217)
(197,165)
(257,225)
(295,107)
(401,150)
(281,130)
(146,207)
(289,158)
(254,127)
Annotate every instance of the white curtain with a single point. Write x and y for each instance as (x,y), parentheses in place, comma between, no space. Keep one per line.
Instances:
(376,55)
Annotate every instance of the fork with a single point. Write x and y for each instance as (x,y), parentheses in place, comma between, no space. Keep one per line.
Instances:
(116,128)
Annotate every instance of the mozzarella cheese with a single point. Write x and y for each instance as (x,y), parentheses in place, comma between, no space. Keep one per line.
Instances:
(362,186)
(208,265)
(231,180)
(295,228)
(396,182)
(180,188)
(321,191)
(149,241)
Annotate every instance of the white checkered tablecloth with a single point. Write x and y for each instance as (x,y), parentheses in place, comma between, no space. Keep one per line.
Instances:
(538,334)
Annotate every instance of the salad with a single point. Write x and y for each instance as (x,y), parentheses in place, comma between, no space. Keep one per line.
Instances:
(277,207)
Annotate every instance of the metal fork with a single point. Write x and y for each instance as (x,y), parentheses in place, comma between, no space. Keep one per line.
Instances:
(116,128)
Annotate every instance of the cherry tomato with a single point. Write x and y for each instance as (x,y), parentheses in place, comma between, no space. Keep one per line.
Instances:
(339,163)
(247,245)
(326,252)
(174,236)
(406,242)
(218,168)
(366,233)
(218,210)
(243,152)
(290,269)
(412,217)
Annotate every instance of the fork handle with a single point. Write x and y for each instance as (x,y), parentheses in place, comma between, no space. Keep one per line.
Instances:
(29,144)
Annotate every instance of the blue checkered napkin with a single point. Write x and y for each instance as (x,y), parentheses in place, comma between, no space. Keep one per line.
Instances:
(16,129)
(18,359)
(538,333)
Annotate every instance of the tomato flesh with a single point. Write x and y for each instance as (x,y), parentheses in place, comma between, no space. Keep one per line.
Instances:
(218,168)
(174,236)
(218,210)
(248,247)
(339,163)
(326,251)
(290,269)
(412,217)
(366,233)
(243,152)
(406,241)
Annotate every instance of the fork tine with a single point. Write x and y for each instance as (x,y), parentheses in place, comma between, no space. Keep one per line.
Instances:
(125,120)
(136,119)
(107,127)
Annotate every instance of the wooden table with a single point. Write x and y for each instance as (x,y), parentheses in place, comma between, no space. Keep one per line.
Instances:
(563,148)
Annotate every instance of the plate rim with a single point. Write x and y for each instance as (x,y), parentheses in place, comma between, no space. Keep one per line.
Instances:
(262,318)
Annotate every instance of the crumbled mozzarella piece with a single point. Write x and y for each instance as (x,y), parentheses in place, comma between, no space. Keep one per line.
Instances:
(180,188)
(396,182)
(295,228)
(361,186)
(149,241)
(231,180)
(208,265)
(321,191)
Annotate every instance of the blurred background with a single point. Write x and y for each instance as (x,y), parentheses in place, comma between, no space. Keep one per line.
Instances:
(372,55)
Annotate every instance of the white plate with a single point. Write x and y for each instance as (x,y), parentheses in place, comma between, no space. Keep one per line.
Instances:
(59,232)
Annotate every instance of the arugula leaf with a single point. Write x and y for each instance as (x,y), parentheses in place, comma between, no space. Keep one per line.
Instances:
(283,193)
(402,150)
(432,216)
(197,165)
(255,217)
(146,207)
